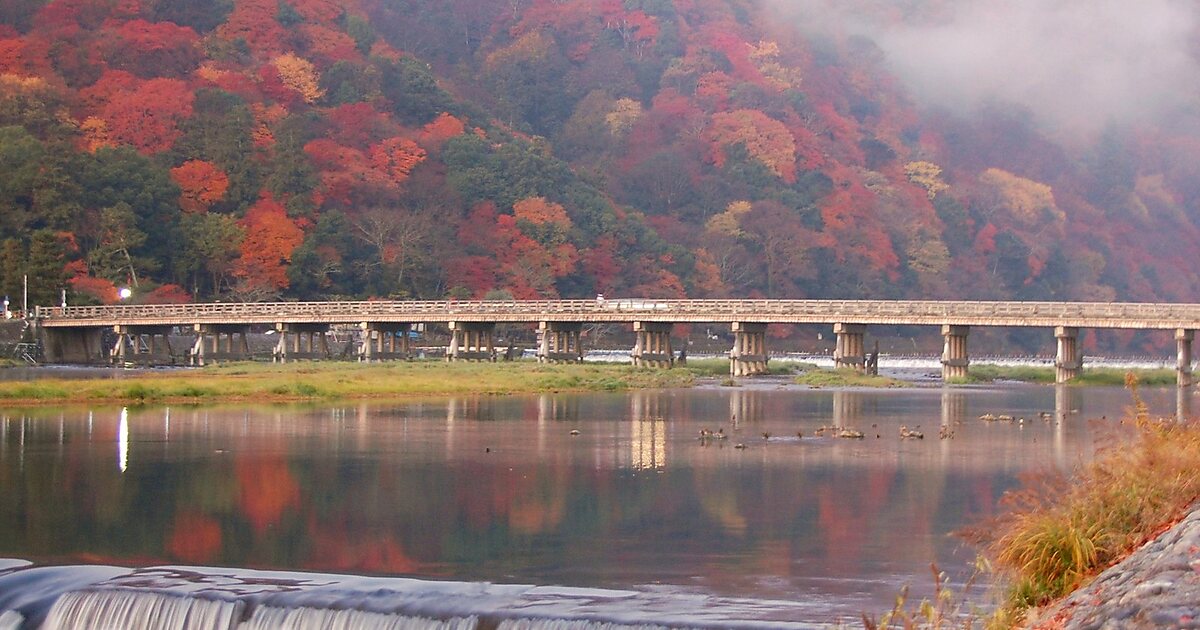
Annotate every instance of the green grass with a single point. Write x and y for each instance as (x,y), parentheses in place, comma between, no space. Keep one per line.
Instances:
(845,377)
(332,380)
(720,367)
(1061,532)
(985,373)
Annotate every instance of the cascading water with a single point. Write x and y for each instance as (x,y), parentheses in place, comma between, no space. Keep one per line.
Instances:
(189,598)
(105,609)
(272,618)
(11,620)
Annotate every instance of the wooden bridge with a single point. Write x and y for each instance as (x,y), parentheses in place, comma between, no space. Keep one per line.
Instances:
(74,334)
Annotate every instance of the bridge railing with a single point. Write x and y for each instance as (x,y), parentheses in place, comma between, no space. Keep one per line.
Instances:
(843,310)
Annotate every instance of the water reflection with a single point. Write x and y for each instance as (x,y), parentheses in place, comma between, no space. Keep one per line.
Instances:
(499,489)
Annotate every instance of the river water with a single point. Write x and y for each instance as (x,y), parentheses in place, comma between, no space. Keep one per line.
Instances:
(595,491)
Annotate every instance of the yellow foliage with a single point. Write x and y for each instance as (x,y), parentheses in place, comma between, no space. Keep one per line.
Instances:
(765,138)
(621,119)
(95,133)
(1026,200)
(765,50)
(210,72)
(300,75)
(10,81)
(927,175)
(532,46)
(727,223)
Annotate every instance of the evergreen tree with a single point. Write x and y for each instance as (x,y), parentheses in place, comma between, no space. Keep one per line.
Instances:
(12,271)
(47,278)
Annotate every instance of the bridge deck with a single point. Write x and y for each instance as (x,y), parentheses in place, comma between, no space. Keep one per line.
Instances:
(957,313)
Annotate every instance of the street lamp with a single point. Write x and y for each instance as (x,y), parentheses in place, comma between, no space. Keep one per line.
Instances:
(125,293)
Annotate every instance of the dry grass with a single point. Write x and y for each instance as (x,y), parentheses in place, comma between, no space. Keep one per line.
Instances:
(1060,533)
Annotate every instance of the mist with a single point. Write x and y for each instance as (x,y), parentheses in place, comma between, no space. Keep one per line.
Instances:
(1077,65)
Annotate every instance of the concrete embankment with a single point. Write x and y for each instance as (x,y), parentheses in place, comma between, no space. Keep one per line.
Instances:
(1156,587)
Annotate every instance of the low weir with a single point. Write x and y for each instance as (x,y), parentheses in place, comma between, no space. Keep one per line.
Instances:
(139,333)
(194,598)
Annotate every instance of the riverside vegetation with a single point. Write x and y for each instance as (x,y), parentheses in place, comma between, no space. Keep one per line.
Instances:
(327,381)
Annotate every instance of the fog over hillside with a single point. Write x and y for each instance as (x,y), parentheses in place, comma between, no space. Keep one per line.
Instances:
(1078,65)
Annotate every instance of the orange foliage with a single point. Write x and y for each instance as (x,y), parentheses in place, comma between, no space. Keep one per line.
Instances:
(765,138)
(168,294)
(266,488)
(195,538)
(82,283)
(154,48)
(253,21)
(201,184)
(271,237)
(95,134)
(538,211)
(444,127)
(148,117)
(359,125)
(318,10)
(328,45)
(396,158)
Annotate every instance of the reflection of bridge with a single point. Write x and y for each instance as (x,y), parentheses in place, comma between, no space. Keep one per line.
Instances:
(73,334)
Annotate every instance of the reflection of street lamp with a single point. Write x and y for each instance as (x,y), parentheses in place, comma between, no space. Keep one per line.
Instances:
(124,293)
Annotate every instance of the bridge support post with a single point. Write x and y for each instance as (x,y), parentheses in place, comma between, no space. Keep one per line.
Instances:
(850,350)
(384,341)
(749,354)
(142,345)
(307,341)
(1183,359)
(472,341)
(209,349)
(74,345)
(955,360)
(1067,362)
(560,342)
(652,347)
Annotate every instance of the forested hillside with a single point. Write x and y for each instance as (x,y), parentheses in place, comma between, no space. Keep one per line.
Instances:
(303,149)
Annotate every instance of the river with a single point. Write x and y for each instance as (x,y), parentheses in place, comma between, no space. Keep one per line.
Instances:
(597,491)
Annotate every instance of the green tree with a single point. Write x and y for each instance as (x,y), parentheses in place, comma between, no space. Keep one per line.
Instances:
(115,176)
(35,189)
(210,245)
(12,270)
(412,91)
(219,131)
(47,277)
(119,236)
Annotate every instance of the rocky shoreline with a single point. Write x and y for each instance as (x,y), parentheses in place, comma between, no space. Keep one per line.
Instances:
(1158,586)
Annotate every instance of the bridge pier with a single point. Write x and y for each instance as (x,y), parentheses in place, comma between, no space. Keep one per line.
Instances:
(955,360)
(142,345)
(749,354)
(850,350)
(1068,363)
(306,341)
(472,341)
(560,342)
(652,347)
(1183,360)
(384,341)
(209,349)
(74,345)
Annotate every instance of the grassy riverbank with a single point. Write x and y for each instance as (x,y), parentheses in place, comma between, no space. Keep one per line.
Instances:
(845,377)
(262,382)
(1060,533)
(985,373)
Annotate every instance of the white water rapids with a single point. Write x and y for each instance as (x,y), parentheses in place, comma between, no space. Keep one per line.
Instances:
(189,598)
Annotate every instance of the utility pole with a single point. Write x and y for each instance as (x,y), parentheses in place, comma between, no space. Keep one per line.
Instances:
(25,296)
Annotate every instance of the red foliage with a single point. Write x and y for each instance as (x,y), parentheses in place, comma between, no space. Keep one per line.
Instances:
(99,289)
(358,125)
(271,237)
(319,10)
(148,117)
(327,46)
(168,294)
(396,158)
(153,48)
